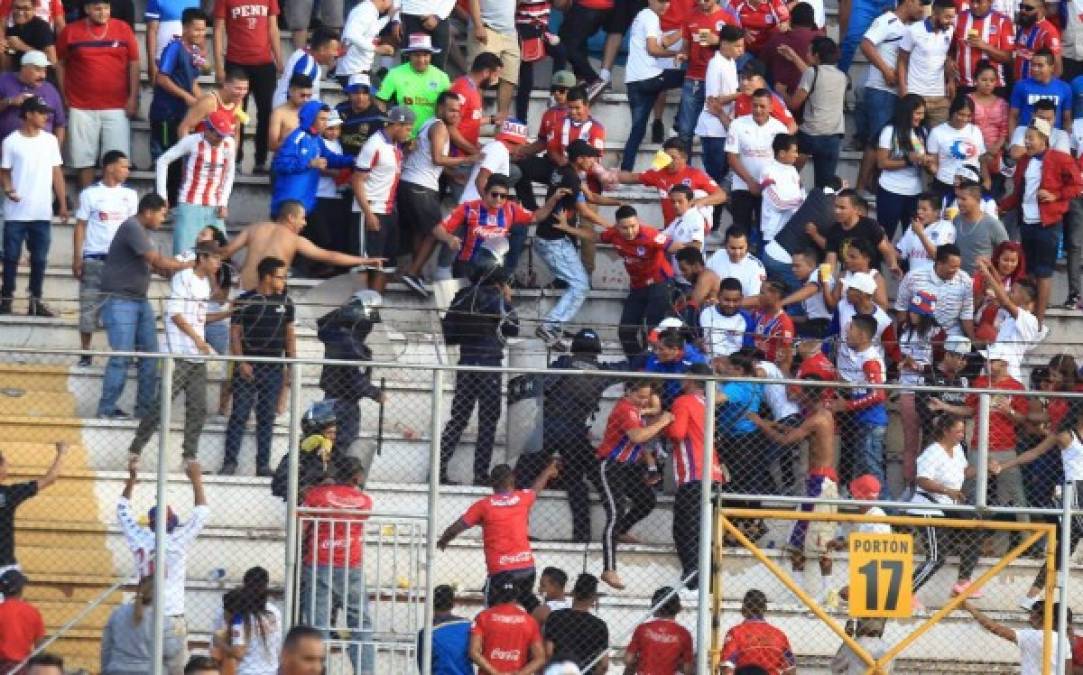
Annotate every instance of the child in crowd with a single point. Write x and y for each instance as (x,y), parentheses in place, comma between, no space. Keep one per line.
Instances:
(817,284)
(1020,331)
(782,195)
(860,362)
(689,227)
(916,334)
(857,259)
(927,231)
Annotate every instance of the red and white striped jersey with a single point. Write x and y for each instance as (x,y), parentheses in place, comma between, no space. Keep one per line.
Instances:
(208,170)
(994,28)
(592,131)
(381,162)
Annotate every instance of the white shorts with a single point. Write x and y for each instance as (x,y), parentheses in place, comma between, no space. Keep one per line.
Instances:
(92,133)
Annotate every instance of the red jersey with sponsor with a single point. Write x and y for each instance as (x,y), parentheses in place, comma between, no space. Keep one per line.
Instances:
(483,222)
(663,179)
(698,55)
(247,41)
(773,332)
(89,53)
(755,642)
(1042,35)
(615,443)
(662,647)
(507,632)
(743,106)
(505,521)
(567,130)
(686,431)
(340,539)
(644,256)
(760,18)
(550,120)
(470,96)
(994,28)
(677,14)
(1001,427)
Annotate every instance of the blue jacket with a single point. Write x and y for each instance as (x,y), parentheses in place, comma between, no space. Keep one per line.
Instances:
(671,389)
(293,177)
(450,647)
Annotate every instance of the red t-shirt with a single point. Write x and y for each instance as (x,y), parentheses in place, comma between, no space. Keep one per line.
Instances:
(743,106)
(994,28)
(505,523)
(698,55)
(247,41)
(88,55)
(550,120)
(484,223)
(615,442)
(507,632)
(566,130)
(760,18)
(663,179)
(662,647)
(470,125)
(1001,428)
(677,13)
(343,532)
(22,629)
(772,333)
(686,432)
(819,365)
(644,256)
(757,643)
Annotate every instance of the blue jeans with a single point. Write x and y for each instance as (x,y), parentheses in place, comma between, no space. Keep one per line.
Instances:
(641,97)
(516,244)
(862,14)
(36,234)
(262,393)
(780,271)
(869,450)
(563,260)
(190,219)
(693,93)
(129,325)
(878,108)
(824,151)
(893,210)
(714,157)
(322,597)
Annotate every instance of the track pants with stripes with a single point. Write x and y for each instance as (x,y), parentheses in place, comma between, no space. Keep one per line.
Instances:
(940,542)
(621,482)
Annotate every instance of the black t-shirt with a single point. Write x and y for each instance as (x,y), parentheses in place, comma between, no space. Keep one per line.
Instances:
(263,320)
(358,126)
(578,635)
(818,208)
(867,229)
(566,177)
(10,498)
(36,33)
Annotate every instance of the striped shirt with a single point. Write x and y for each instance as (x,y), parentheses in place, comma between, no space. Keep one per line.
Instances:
(208,170)
(484,223)
(568,130)
(381,162)
(616,446)
(954,298)
(686,432)
(1042,35)
(993,28)
(300,62)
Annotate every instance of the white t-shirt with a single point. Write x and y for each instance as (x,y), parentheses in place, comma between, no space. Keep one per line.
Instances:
(1071,459)
(1031,641)
(928,54)
(326,188)
(721,80)
(31,160)
(641,65)
(1016,336)
(935,464)
(885,34)
(815,307)
(188,296)
(494,157)
(752,143)
(906,181)
(381,161)
(363,25)
(692,226)
(1060,140)
(782,195)
(875,528)
(910,246)
(724,334)
(104,208)
(261,655)
(300,62)
(749,270)
(1032,182)
(955,148)
(775,394)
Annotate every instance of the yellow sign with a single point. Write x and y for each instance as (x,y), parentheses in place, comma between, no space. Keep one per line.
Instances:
(881,568)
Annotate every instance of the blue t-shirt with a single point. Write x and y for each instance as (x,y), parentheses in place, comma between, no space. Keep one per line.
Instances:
(741,398)
(167,10)
(1077,97)
(1028,91)
(177,63)
(450,647)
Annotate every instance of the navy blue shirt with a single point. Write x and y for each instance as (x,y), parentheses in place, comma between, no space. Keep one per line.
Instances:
(177,63)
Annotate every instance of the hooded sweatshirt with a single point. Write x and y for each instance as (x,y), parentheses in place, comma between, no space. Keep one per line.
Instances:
(293,177)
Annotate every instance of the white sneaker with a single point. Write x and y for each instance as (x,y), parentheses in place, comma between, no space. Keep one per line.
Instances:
(1027,602)
(688,596)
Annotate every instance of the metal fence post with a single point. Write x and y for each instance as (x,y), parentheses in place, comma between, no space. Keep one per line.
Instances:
(291,491)
(706,528)
(434,500)
(982,479)
(166,413)
(1068,497)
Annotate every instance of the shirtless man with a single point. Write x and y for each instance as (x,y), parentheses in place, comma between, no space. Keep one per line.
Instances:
(229,97)
(818,426)
(284,117)
(705,281)
(282,239)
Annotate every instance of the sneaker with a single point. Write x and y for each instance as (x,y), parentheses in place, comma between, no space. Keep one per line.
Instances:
(1027,602)
(260,170)
(658,131)
(416,284)
(549,336)
(688,596)
(85,361)
(1072,302)
(960,587)
(446,480)
(264,471)
(228,469)
(40,309)
(115,414)
(595,89)
(916,605)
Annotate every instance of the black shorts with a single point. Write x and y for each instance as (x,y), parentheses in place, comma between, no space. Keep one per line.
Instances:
(382,243)
(523,580)
(419,208)
(622,15)
(1040,248)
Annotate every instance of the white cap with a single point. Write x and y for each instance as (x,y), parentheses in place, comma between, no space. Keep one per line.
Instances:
(997,352)
(334,119)
(670,322)
(860,281)
(35,58)
(957,344)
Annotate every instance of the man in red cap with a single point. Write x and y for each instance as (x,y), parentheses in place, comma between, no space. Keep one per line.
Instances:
(209,167)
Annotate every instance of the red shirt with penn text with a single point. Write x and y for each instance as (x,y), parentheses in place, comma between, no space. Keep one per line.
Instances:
(664,179)
(505,522)
(336,538)
(507,632)
(247,41)
(698,55)
(1001,427)
(661,646)
(644,256)
(754,642)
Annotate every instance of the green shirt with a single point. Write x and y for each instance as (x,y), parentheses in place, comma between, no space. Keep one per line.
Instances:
(416,90)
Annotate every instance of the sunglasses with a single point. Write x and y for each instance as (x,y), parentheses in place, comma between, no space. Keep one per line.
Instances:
(1027,8)
(498,195)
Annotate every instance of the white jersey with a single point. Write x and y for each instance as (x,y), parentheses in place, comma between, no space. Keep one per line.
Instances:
(691,227)
(209,170)
(775,394)
(104,208)
(188,296)
(1072,459)
(748,270)
(300,62)
(494,157)
(363,25)
(418,167)
(381,162)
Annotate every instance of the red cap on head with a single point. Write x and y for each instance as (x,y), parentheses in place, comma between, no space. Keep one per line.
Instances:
(865,488)
(222,121)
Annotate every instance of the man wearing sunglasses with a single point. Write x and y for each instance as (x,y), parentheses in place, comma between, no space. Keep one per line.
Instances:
(1034,33)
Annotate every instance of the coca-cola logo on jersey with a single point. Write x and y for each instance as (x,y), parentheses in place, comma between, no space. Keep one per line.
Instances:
(505,654)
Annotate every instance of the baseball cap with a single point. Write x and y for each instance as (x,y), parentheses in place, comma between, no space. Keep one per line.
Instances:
(967,175)
(359,82)
(334,119)
(923,303)
(12,582)
(512,131)
(419,42)
(171,520)
(866,488)
(997,352)
(860,281)
(222,121)
(580,148)
(562,78)
(35,58)
(34,104)
(586,341)
(957,344)
(400,114)
(1042,127)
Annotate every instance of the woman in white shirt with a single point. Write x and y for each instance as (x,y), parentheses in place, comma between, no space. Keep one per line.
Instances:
(857,258)
(902,160)
(249,628)
(941,470)
(955,143)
